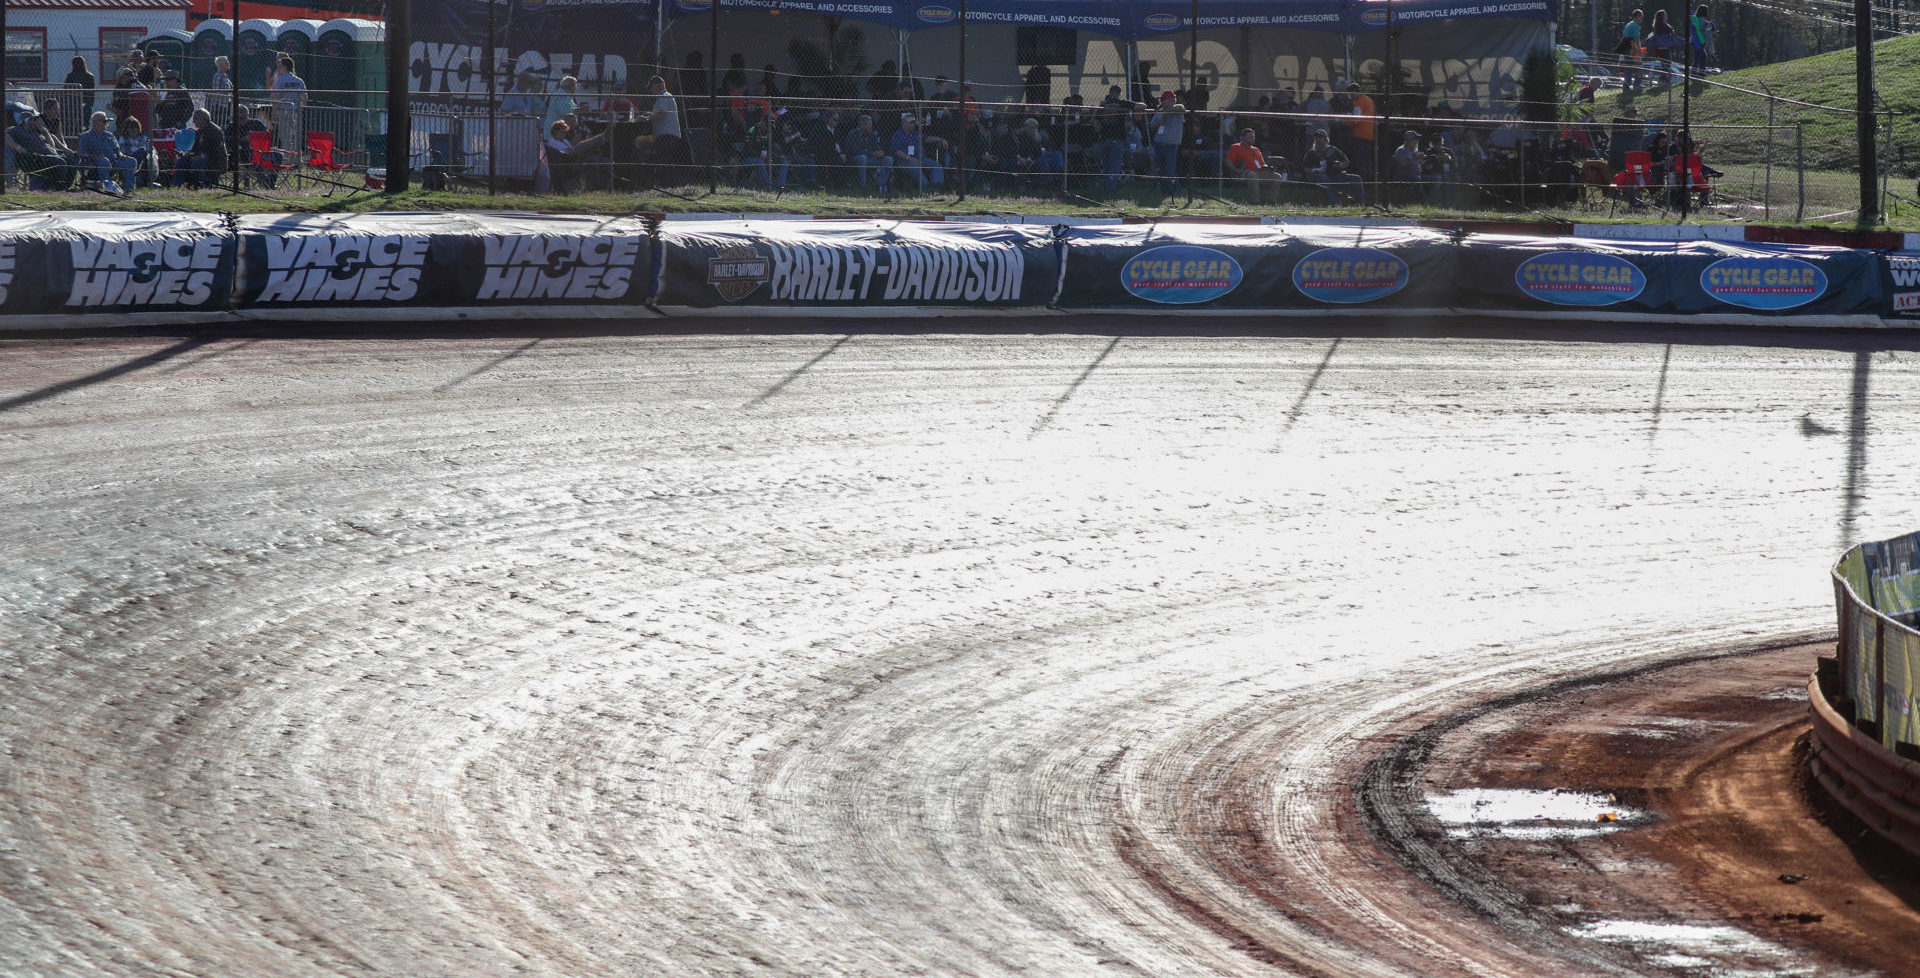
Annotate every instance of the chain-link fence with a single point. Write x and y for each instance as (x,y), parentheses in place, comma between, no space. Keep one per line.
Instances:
(1621,136)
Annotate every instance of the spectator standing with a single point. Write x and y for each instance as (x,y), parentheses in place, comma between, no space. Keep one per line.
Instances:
(141,97)
(1361,130)
(81,78)
(561,103)
(222,75)
(289,100)
(669,145)
(1630,49)
(821,131)
(1115,116)
(100,152)
(1665,40)
(1168,126)
(524,97)
(1699,26)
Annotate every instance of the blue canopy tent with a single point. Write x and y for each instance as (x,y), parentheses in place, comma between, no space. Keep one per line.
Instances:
(1463,50)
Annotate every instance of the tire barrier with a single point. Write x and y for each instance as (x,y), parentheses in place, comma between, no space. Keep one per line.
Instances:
(65,270)
(1866,731)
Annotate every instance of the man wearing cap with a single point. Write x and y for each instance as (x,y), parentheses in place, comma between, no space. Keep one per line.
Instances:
(524,97)
(101,152)
(1325,164)
(176,107)
(1035,154)
(908,154)
(289,99)
(40,154)
(1263,177)
(1168,127)
(1115,115)
(863,147)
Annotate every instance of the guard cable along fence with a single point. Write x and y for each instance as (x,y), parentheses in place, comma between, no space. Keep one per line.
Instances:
(1604,159)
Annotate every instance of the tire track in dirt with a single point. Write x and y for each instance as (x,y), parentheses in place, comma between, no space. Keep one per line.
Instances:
(717,655)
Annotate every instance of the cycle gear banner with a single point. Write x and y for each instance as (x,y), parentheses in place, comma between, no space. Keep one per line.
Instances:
(1278,267)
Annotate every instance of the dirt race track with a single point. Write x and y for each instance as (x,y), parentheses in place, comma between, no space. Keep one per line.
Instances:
(980,653)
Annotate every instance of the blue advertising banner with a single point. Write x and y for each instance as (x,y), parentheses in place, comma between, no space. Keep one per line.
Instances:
(1253,267)
(856,264)
(598,42)
(1690,277)
(1140,19)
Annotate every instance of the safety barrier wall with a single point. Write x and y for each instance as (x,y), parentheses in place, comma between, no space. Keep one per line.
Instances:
(64,268)
(1866,734)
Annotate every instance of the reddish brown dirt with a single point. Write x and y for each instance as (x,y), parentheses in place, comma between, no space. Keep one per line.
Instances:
(1716,749)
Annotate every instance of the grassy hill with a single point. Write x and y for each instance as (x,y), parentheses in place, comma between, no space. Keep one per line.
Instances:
(1737,98)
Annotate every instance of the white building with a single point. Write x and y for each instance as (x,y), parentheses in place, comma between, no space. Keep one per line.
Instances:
(44,35)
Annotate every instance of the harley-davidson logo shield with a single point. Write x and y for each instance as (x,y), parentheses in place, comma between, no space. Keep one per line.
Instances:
(737,271)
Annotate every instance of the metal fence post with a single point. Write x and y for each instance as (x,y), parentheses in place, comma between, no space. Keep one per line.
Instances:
(1767,201)
(1800,164)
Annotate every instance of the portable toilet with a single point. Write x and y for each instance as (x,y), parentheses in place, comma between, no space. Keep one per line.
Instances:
(259,49)
(351,56)
(296,41)
(176,47)
(212,39)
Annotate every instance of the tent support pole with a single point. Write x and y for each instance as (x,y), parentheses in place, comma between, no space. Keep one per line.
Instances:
(713,100)
(966,124)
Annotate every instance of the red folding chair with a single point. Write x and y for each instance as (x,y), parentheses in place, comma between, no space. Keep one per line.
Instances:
(320,153)
(1696,178)
(320,158)
(265,157)
(1637,176)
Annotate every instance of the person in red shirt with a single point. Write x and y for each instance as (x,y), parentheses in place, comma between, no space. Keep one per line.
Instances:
(1263,176)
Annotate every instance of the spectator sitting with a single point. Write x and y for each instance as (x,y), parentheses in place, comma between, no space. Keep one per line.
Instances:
(176,105)
(1246,161)
(864,148)
(100,153)
(240,140)
(50,116)
(565,156)
(208,158)
(41,155)
(1325,164)
(1036,154)
(908,154)
(132,141)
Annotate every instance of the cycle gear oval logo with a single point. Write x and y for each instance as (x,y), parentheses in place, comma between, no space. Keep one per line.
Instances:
(935,13)
(1350,275)
(1373,18)
(1764,283)
(1180,274)
(1580,278)
(1160,22)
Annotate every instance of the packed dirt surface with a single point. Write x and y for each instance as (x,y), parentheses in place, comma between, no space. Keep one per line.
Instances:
(1678,792)
(874,655)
